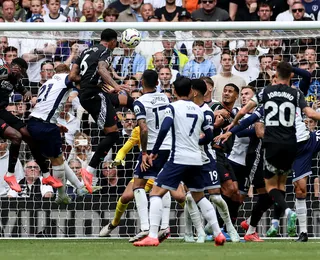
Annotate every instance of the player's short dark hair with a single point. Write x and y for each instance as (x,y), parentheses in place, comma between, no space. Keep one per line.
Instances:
(284,70)
(182,86)
(108,35)
(20,62)
(234,86)
(199,85)
(150,78)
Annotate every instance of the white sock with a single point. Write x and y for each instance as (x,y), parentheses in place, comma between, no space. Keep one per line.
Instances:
(188,221)
(155,215)
(71,176)
(301,210)
(59,173)
(9,174)
(287,211)
(222,208)
(91,170)
(251,230)
(248,220)
(210,215)
(142,207)
(194,214)
(166,202)
(46,174)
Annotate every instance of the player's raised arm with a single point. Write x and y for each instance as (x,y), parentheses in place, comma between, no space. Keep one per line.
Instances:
(74,73)
(106,75)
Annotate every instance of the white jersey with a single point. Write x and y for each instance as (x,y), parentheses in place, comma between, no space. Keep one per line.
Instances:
(51,97)
(302,132)
(239,149)
(207,154)
(151,107)
(188,123)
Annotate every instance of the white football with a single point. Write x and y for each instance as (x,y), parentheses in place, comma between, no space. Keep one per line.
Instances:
(131,38)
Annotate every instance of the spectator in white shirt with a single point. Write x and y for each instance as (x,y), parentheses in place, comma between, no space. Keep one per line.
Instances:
(4,160)
(242,68)
(31,185)
(70,122)
(54,15)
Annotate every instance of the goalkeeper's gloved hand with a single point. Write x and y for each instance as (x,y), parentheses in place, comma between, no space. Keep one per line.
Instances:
(117,162)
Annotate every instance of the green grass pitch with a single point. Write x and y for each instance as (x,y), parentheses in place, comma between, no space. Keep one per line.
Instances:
(107,249)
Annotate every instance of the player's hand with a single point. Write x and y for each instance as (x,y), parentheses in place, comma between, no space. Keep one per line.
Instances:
(222,138)
(125,88)
(151,158)
(108,89)
(144,164)
(63,129)
(227,128)
(218,121)
(27,96)
(225,113)
(117,162)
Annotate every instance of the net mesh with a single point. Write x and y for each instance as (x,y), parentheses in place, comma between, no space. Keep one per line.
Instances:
(27,215)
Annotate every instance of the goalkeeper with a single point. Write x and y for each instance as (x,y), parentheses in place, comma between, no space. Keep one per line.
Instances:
(128,196)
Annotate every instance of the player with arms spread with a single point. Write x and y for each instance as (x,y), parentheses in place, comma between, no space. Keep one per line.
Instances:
(91,70)
(280,143)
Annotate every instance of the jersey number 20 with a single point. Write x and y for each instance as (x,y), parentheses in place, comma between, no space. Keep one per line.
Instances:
(283,114)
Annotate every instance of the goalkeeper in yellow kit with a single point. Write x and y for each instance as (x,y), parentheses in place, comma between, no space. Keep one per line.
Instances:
(128,196)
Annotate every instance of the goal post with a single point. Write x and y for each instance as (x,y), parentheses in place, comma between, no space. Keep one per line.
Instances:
(84,217)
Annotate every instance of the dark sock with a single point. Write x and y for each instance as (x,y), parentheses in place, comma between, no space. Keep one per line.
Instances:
(278,198)
(103,148)
(263,204)
(13,156)
(40,159)
(277,210)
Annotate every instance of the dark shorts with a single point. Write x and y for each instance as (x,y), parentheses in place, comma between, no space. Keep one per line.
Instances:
(48,135)
(153,171)
(172,174)
(303,162)
(99,106)
(242,175)
(8,119)
(278,158)
(210,176)
(225,170)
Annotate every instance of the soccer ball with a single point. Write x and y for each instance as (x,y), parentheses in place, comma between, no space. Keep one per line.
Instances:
(131,38)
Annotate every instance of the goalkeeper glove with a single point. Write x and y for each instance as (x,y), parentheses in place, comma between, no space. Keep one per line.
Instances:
(117,162)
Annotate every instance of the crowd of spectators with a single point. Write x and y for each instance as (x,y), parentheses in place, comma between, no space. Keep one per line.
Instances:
(220,61)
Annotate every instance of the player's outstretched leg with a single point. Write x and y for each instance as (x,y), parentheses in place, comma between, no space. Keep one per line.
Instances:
(263,204)
(164,231)
(301,208)
(15,137)
(210,216)
(122,204)
(40,159)
(223,210)
(102,150)
(275,222)
(195,216)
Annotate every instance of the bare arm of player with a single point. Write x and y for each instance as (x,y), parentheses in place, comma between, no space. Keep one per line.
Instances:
(106,76)
(74,73)
(259,127)
(309,112)
(244,110)
(143,141)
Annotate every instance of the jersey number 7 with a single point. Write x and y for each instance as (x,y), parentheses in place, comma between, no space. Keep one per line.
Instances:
(195,119)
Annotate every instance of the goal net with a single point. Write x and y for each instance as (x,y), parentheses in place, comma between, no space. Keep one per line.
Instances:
(34,214)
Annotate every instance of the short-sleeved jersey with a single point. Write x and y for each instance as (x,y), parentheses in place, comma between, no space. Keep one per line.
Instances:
(151,107)
(51,97)
(188,123)
(280,103)
(88,63)
(207,153)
